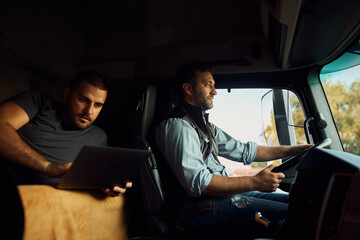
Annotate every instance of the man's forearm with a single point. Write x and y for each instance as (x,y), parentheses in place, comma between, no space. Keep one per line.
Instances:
(14,149)
(264,181)
(268,153)
(224,186)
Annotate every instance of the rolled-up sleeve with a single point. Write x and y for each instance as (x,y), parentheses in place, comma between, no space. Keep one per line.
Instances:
(233,149)
(180,145)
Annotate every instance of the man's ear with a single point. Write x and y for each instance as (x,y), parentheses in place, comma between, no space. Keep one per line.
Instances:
(187,88)
(66,94)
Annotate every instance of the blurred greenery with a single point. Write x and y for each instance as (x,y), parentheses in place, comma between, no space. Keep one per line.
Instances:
(298,118)
(344,101)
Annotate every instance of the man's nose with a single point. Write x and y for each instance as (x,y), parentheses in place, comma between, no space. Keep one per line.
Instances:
(213,91)
(89,109)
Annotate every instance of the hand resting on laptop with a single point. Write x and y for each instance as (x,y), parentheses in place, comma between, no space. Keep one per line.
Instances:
(117,190)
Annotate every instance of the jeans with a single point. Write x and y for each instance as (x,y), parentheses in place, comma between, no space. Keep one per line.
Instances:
(238,211)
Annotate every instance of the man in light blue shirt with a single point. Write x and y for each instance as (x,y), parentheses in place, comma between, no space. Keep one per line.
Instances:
(191,145)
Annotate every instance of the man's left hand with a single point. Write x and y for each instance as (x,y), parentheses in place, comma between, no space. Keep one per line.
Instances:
(116,190)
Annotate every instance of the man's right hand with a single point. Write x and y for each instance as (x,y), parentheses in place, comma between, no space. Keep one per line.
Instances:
(267,181)
(57,170)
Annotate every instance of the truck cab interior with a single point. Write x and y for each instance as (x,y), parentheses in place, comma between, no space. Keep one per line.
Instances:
(298,60)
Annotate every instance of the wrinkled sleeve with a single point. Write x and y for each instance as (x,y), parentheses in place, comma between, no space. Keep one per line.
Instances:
(233,149)
(30,101)
(180,145)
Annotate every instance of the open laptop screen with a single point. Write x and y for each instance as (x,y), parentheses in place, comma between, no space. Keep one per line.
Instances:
(103,167)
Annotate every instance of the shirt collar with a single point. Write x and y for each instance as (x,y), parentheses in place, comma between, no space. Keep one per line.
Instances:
(197,114)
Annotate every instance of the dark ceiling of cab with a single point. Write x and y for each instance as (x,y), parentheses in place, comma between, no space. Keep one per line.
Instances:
(57,35)
(139,25)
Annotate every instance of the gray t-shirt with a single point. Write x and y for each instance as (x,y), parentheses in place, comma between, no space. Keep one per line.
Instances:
(47,133)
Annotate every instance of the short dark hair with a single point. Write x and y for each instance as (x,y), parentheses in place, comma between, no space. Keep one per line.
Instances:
(91,77)
(188,72)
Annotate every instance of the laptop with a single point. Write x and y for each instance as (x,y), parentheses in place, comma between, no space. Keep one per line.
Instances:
(103,167)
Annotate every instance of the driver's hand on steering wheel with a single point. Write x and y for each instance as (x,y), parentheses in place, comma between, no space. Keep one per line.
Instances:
(268,181)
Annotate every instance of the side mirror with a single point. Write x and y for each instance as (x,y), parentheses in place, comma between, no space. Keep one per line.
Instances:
(280,109)
(268,119)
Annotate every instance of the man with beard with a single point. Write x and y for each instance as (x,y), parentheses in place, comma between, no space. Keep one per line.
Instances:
(41,137)
(191,146)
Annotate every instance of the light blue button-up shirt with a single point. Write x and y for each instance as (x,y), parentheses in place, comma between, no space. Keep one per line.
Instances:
(180,145)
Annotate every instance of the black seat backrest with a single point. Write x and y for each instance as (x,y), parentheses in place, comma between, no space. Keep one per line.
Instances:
(147,197)
(149,179)
(145,110)
(157,190)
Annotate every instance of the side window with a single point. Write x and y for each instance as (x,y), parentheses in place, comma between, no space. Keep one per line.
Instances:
(341,83)
(250,114)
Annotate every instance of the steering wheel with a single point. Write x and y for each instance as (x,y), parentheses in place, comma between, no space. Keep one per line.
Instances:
(289,166)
